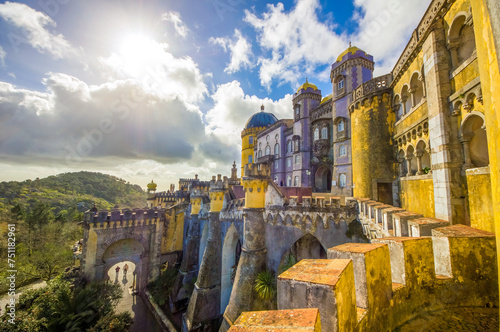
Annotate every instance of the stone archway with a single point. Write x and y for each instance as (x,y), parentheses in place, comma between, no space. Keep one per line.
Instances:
(231,252)
(125,250)
(307,247)
(323,179)
(117,236)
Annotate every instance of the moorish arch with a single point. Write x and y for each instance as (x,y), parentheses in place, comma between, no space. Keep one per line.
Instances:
(323,179)
(231,251)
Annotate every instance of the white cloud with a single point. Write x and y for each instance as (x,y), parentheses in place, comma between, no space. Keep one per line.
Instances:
(175,18)
(150,63)
(240,49)
(233,108)
(34,25)
(3,54)
(295,43)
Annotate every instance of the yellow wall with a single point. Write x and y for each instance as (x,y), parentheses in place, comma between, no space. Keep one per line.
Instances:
(416,116)
(480,203)
(255,193)
(372,152)
(216,201)
(195,205)
(418,195)
(490,83)
(173,233)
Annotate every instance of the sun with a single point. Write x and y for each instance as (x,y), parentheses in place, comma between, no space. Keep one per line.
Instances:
(139,53)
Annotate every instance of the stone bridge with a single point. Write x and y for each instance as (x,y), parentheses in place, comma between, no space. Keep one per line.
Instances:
(114,236)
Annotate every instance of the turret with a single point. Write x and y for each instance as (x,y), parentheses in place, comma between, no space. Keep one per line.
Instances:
(151,194)
(257,123)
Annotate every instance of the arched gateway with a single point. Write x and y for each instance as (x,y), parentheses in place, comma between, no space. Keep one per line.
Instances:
(116,236)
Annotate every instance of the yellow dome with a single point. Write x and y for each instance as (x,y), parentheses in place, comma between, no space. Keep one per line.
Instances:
(307,85)
(327,98)
(152,185)
(351,49)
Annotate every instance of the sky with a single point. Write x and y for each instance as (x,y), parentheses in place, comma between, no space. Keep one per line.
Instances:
(150,89)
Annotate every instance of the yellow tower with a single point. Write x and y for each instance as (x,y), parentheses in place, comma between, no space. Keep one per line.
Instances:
(217,190)
(151,194)
(257,123)
(255,185)
(372,151)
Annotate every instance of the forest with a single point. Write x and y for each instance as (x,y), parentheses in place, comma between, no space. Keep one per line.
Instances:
(47,214)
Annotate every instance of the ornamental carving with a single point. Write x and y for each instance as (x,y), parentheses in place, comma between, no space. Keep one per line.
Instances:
(321,148)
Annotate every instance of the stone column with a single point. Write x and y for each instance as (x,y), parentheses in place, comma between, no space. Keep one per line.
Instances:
(403,103)
(452,47)
(408,164)
(419,155)
(204,305)
(254,252)
(465,140)
(189,265)
(411,91)
(443,130)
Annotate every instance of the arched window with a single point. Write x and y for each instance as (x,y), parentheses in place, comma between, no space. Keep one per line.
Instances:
(260,153)
(405,99)
(289,146)
(268,150)
(340,126)
(296,181)
(340,84)
(250,140)
(316,134)
(276,164)
(297,159)
(475,142)
(324,133)
(398,108)
(277,150)
(461,42)
(417,90)
(342,180)
(289,162)
(250,159)
(267,138)
(289,181)
(342,151)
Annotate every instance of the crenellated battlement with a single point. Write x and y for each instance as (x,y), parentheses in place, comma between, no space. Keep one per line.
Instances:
(262,171)
(123,218)
(381,285)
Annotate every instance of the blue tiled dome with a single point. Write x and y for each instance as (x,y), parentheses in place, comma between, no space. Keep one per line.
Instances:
(261,119)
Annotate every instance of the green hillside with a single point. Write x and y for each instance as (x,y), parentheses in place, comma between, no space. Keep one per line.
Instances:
(65,192)
(44,215)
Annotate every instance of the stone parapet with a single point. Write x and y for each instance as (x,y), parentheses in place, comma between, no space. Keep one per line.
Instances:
(382,285)
(123,218)
(424,226)
(324,284)
(278,320)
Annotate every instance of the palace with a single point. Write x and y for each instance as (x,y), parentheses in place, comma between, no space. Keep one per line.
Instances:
(371,206)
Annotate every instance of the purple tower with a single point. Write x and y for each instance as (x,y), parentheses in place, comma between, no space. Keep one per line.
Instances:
(352,68)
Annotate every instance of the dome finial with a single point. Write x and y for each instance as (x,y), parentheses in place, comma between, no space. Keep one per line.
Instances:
(349,44)
(306,80)
(262,107)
